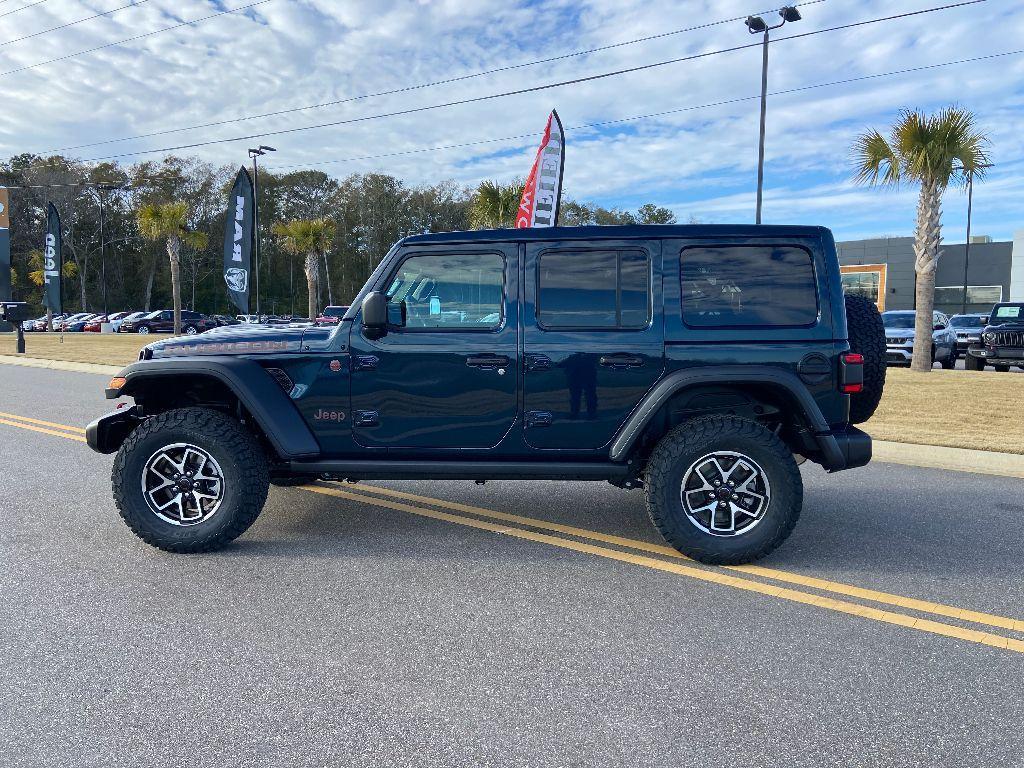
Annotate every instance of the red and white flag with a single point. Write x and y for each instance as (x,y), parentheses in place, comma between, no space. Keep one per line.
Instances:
(543,191)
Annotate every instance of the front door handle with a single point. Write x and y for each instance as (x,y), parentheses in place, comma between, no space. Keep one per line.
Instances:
(488,362)
(621,361)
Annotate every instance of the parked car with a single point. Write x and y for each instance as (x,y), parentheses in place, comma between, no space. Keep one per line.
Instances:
(223,320)
(67,323)
(132,316)
(95,324)
(162,321)
(968,330)
(40,324)
(573,353)
(1002,340)
(899,338)
(30,325)
(331,315)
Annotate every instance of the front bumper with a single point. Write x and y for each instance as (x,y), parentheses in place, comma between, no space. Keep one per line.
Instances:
(998,355)
(106,433)
(898,354)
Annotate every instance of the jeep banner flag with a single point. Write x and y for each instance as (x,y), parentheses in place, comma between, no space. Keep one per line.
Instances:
(238,241)
(52,261)
(542,194)
(5,246)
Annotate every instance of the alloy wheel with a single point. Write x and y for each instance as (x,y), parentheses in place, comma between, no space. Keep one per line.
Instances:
(183,484)
(725,493)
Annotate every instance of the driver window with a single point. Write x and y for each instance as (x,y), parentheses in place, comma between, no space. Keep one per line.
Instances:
(458,291)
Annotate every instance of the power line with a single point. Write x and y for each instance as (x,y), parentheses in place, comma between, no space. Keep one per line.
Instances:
(649,115)
(135,37)
(406,89)
(531,89)
(73,23)
(24,7)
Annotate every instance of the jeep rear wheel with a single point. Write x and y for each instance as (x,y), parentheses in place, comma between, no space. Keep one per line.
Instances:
(866,332)
(972,363)
(190,480)
(723,490)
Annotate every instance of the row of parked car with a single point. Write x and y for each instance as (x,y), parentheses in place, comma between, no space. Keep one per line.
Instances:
(162,321)
(995,338)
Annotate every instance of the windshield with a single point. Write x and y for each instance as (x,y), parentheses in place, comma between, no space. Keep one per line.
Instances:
(898,319)
(335,311)
(1007,312)
(966,321)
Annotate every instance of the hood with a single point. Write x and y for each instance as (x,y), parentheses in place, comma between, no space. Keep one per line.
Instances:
(245,339)
(1006,325)
(907,333)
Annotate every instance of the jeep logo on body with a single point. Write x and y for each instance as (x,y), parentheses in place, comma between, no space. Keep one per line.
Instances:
(322,415)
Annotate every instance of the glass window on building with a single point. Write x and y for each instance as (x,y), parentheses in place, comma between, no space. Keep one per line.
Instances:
(866,280)
(977,295)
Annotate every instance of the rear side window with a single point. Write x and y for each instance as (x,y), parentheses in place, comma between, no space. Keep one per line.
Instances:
(748,286)
(594,290)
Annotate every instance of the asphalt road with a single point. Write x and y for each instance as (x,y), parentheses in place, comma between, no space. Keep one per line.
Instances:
(372,630)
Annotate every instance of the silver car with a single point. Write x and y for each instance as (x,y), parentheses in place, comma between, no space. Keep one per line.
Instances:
(968,329)
(899,338)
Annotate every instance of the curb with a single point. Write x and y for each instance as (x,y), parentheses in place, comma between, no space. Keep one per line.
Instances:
(955,459)
(60,365)
(908,454)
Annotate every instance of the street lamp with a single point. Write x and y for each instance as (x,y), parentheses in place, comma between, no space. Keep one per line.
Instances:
(758,26)
(262,149)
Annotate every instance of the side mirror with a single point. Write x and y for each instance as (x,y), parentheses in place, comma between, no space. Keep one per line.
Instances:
(375,313)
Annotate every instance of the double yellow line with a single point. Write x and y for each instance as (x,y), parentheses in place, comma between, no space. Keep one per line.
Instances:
(749,578)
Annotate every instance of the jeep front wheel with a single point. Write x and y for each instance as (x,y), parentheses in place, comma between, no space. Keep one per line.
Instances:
(190,480)
(723,490)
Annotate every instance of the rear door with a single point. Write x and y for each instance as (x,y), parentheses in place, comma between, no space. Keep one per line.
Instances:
(447,378)
(593,338)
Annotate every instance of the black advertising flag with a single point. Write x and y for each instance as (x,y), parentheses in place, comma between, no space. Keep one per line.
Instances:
(5,246)
(52,262)
(238,240)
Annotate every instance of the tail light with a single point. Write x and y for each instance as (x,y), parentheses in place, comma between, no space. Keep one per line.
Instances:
(851,373)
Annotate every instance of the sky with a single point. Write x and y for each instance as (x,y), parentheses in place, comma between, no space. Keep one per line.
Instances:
(692,153)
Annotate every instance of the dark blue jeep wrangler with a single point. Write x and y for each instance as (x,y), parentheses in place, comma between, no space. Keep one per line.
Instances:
(700,363)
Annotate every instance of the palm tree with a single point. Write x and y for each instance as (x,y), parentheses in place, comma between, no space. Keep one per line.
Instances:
(933,151)
(311,238)
(168,222)
(494,205)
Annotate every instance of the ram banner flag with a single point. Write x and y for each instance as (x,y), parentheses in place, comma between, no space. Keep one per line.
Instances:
(52,262)
(5,245)
(238,241)
(542,194)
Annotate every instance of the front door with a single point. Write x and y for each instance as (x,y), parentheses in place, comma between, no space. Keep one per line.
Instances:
(447,377)
(593,338)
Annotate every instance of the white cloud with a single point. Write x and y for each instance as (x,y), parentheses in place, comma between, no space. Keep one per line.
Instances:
(287,53)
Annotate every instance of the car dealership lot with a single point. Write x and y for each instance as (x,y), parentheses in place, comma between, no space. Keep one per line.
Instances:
(435,623)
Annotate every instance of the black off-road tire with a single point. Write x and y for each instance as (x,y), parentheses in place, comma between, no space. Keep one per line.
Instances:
(950,362)
(241,460)
(689,442)
(1002,368)
(867,337)
(972,363)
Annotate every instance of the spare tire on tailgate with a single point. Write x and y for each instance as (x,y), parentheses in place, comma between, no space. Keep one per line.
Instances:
(867,337)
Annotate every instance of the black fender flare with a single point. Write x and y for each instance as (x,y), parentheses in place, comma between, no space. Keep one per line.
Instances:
(641,416)
(259,394)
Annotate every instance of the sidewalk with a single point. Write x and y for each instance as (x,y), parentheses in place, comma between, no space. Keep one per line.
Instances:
(909,454)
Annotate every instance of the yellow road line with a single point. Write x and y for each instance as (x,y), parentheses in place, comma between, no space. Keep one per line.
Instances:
(40,421)
(824,585)
(711,576)
(44,430)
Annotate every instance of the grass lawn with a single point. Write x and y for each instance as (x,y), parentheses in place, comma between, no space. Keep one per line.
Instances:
(102,348)
(959,409)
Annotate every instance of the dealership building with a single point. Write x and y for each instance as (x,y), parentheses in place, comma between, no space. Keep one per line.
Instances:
(883,270)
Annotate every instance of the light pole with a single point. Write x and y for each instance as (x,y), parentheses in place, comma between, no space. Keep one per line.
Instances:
(262,149)
(967,245)
(756,26)
(103,251)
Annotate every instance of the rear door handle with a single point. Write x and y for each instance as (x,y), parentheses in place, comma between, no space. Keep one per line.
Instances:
(488,362)
(621,361)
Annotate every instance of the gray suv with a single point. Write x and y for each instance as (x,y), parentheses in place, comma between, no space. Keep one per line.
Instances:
(899,338)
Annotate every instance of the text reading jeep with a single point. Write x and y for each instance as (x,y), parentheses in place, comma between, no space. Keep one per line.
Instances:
(699,363)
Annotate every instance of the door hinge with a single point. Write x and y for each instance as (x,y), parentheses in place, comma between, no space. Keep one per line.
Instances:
(539,418)
(366,418)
